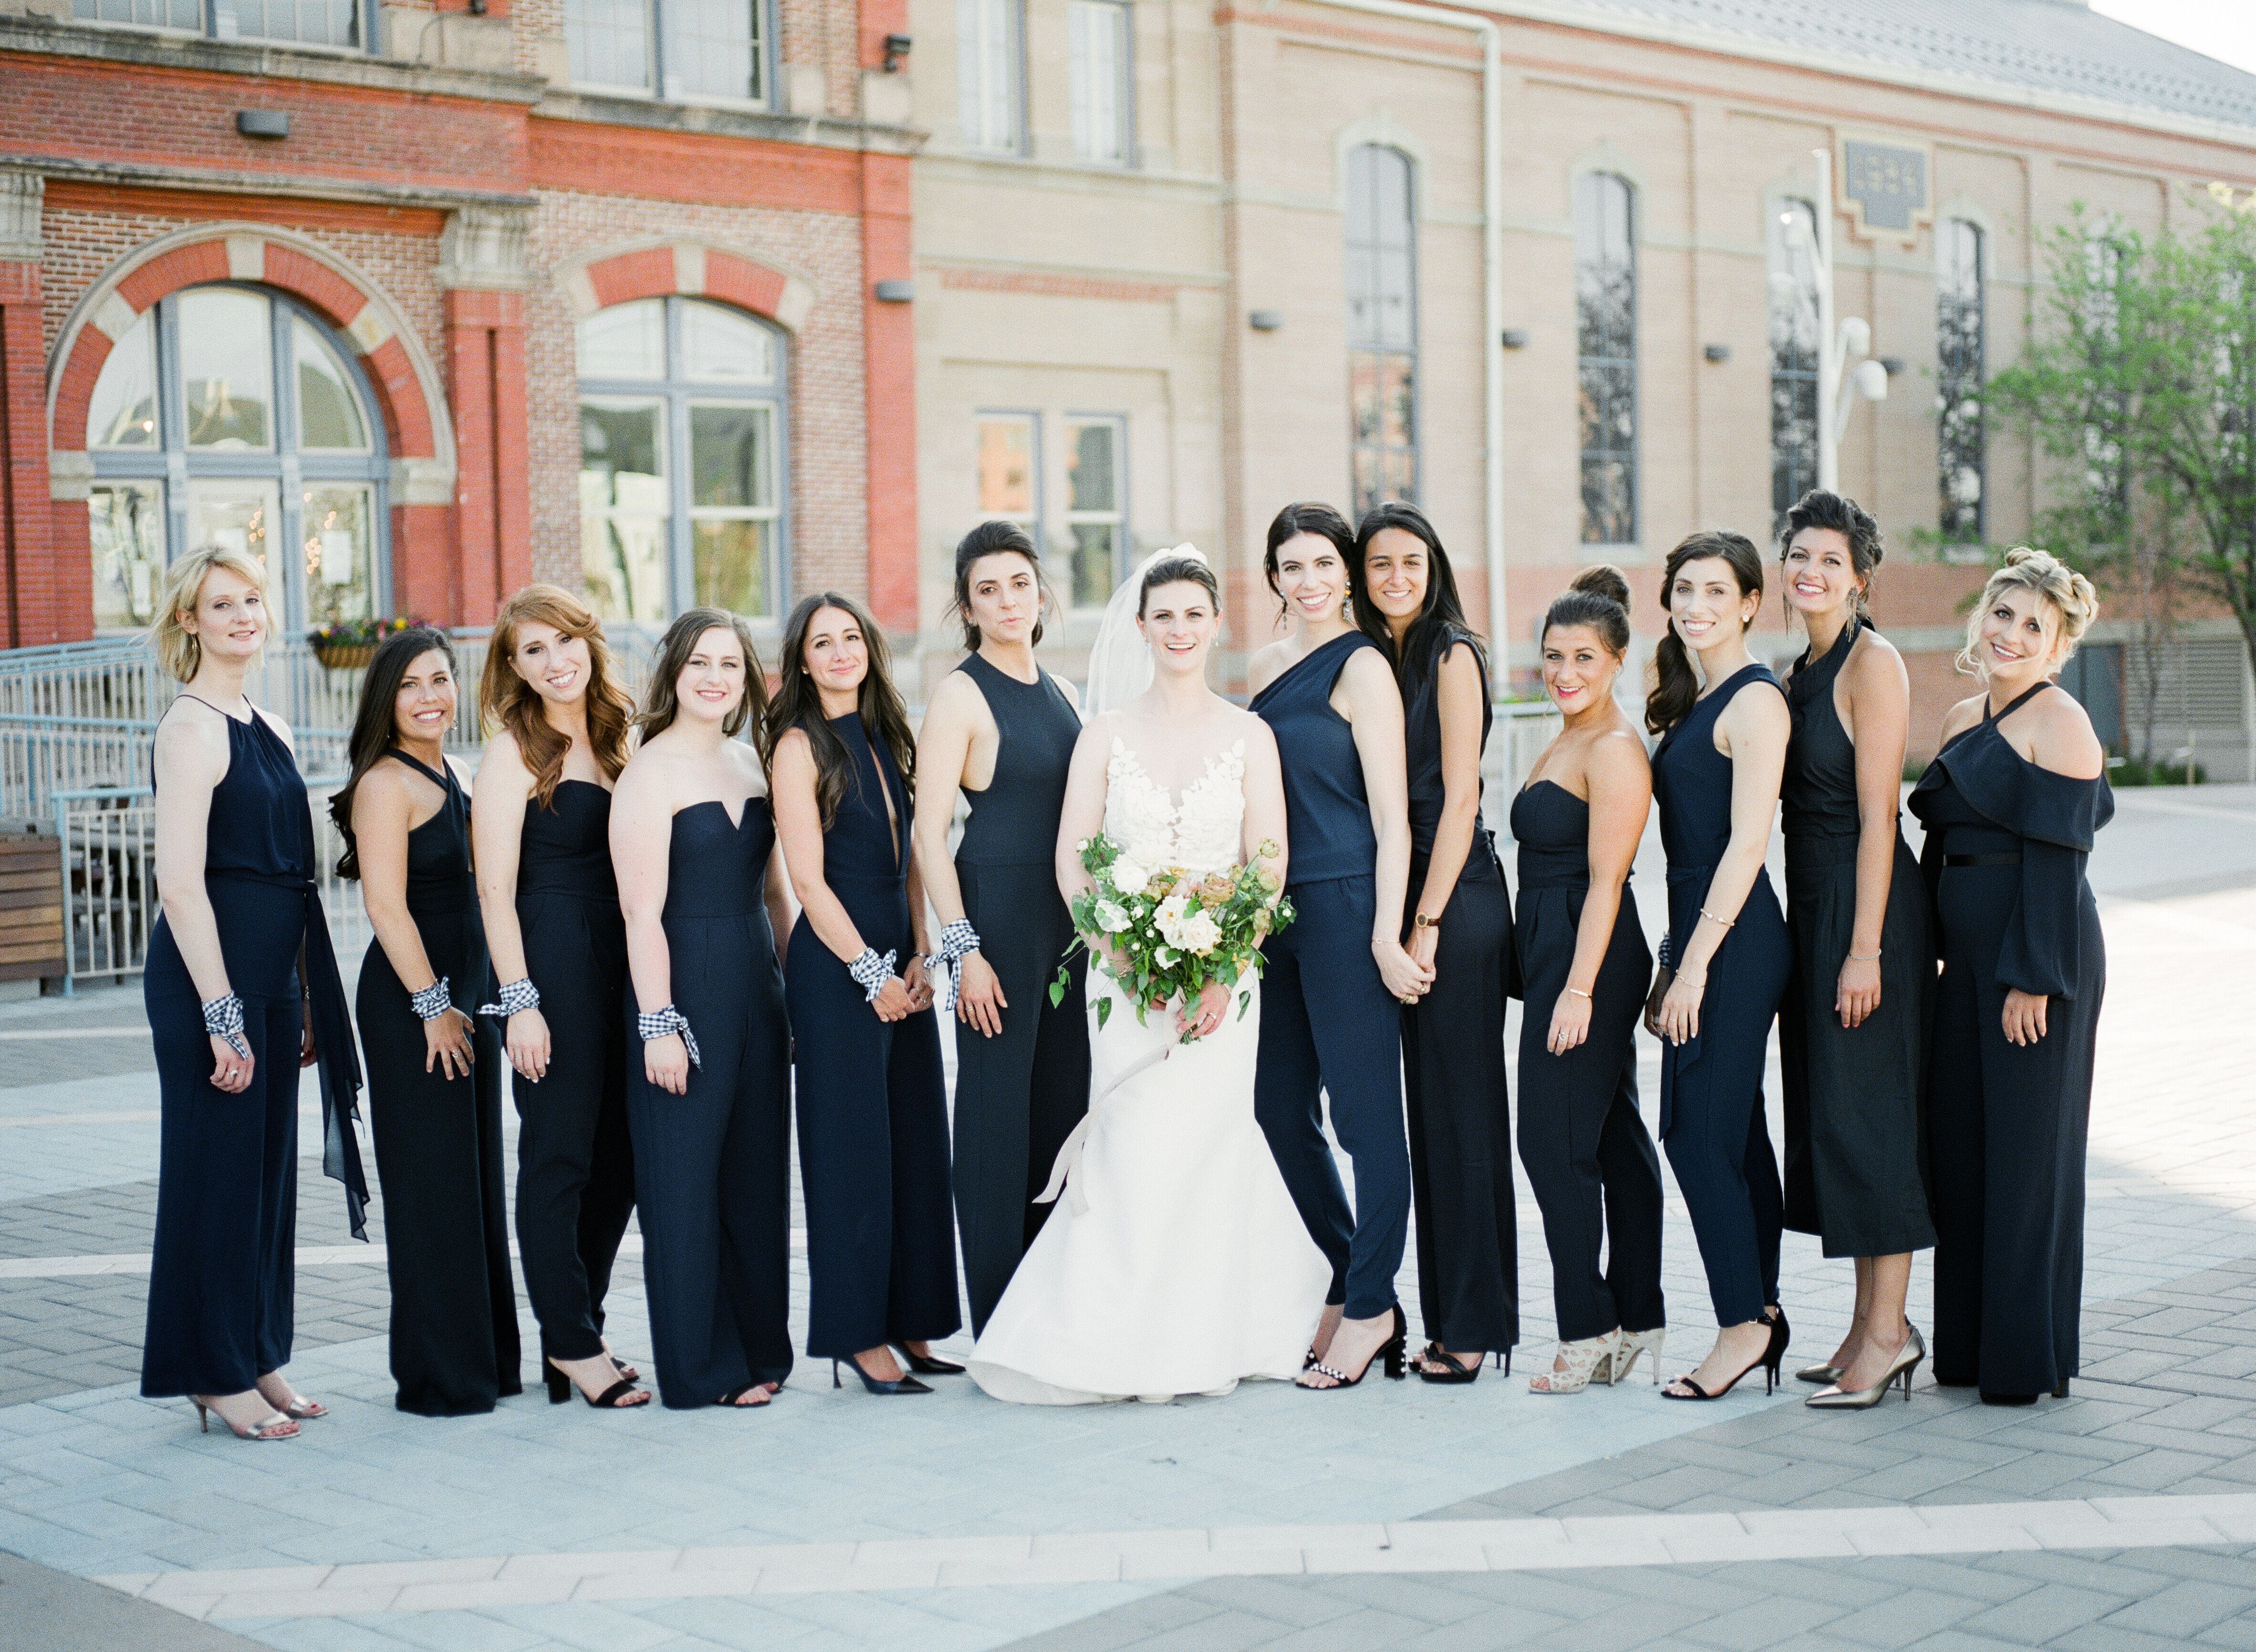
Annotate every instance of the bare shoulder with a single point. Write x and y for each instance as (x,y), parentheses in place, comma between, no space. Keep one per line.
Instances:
(1369,667)
(387,783)
(1963,715)
(1618,755)
(275,723)
(746,763)
(1099,732)
(1759,708)
(1874,664)
(953,696)
(1241,724)
(1268,663)
(2062,736)
(1065,687)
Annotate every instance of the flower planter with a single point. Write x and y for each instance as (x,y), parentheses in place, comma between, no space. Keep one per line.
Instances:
(344,656)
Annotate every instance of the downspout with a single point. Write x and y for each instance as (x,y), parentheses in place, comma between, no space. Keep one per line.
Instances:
(1491,289)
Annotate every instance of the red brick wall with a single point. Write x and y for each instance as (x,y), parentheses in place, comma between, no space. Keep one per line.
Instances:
(828,473)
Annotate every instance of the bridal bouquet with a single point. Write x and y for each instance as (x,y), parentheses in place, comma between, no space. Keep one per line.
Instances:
(1162,933)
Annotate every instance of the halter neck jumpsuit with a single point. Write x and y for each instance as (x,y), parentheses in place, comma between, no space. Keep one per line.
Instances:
(439,1150)
(1711,1086)
(1583,1145)
(2006,845)
(1328,1026)
(1853,1095)
(1452,1071)
(713,1166)
(873,1098)
(1018,1095)
(574,1155)
(223,1273)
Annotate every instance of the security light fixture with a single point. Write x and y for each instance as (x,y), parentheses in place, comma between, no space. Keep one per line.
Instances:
(1718,353)
(896,47)
(1265,321)
(894,291)
(262,123)
(1514,338)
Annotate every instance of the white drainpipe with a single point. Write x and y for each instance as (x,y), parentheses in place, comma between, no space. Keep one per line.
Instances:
(1500,628)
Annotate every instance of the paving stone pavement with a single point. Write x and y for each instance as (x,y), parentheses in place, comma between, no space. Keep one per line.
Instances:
(94,1482)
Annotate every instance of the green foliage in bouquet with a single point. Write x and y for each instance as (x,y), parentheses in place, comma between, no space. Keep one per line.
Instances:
(1164,933)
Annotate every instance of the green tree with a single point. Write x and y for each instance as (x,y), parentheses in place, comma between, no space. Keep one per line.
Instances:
(2139,385)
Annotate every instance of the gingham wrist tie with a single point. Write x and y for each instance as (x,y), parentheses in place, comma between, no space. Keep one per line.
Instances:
(223,1018)
(520,994)
(658,1023)
(958,941)
(433,1000)
(872,969)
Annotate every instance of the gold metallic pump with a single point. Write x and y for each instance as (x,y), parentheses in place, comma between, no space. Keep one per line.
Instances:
(1824,1376)
(1906,1362)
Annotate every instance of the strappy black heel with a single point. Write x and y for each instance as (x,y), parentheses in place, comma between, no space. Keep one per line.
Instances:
(1772,1358)
(1394,1351)
(924,1364)
(1458,1371)
(561,1387)
(876,1385)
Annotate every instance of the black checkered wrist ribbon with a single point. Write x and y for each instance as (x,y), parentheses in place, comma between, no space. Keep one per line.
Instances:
(520,994)
(872,969)
(433,1000)
(958,941)
(223,1018)
(658,1023)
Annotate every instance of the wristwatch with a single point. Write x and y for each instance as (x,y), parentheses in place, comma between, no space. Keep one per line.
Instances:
(1421,922)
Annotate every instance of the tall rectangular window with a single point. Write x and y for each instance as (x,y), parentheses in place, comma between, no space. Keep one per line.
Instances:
(678,48)
(1794,354)
(1382,327)
(607,43)
(1958,371)
(1008,455)
(1605,350)
(713,49)
(988,52)
(1095,517)
(1102,87)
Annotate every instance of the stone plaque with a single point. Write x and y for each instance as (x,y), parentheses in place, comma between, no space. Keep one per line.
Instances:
(1884,185)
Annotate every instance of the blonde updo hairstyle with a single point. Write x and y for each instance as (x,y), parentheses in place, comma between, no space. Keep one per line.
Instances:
(177,649)
(2075,603)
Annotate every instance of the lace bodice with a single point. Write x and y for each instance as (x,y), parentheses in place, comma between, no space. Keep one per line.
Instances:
(1200,834)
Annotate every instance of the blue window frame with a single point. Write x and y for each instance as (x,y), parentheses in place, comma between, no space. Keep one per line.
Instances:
(231,414)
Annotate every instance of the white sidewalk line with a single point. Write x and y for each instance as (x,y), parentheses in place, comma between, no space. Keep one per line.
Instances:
(1007,1562)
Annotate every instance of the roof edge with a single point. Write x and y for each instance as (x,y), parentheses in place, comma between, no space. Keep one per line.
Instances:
(1982,88)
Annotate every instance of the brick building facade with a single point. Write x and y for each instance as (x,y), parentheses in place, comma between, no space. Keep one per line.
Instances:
(463,310)
(1180,264)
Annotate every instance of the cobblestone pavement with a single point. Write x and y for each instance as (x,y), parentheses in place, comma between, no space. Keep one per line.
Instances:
(2122,1517)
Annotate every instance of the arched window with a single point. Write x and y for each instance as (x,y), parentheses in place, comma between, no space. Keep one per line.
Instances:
(1959,370)
(230,415)
(681,463)
(1382,325)
(1793,353)
(1605,350)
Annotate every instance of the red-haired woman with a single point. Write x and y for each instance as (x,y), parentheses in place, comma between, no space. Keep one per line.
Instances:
(556,720)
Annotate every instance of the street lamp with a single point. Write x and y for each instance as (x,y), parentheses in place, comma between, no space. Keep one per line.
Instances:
(1838,386)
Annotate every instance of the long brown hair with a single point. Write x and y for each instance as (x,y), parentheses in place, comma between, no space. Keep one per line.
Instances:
(1676,684)
(506,700)
(375,724)
(1440,624)
(797,703)
(661,701)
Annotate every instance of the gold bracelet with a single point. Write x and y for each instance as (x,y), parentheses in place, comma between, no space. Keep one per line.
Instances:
(1727,922)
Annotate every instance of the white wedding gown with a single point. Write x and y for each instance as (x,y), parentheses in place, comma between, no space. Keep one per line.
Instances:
(1183,1266)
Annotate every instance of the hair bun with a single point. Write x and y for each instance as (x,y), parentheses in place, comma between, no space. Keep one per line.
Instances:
(1603,579)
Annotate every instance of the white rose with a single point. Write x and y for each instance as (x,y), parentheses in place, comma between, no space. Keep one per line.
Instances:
(1130,874)
(1199,934)
(1110,918)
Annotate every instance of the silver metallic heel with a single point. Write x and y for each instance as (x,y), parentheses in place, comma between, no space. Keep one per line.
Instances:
(1905,1364)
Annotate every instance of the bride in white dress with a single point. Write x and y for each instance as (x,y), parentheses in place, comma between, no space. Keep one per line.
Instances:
(1177,1262)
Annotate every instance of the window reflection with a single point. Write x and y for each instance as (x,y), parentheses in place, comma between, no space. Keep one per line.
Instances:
(227,367)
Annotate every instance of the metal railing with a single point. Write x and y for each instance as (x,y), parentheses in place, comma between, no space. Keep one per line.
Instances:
(110,900)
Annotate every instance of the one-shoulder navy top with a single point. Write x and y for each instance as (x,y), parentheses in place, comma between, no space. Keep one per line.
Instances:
(1327,812)
(1981,797)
